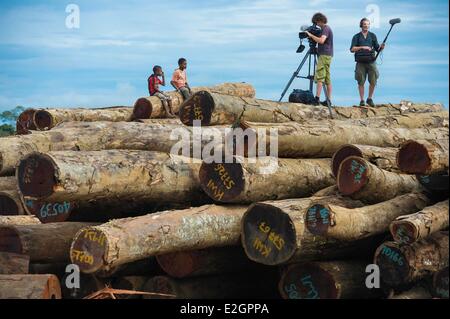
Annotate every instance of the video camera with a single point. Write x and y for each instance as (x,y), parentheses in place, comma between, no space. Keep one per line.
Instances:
(313,29)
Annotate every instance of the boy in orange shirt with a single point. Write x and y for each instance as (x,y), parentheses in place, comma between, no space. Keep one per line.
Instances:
(179,79)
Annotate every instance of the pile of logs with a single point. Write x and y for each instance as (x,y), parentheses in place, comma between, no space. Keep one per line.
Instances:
(122,202)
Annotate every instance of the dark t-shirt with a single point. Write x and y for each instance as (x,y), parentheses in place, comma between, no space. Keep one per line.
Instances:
(370,41)
(327,47)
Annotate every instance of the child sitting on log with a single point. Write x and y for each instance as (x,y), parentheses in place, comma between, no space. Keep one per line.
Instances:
(154,82)
(179,79)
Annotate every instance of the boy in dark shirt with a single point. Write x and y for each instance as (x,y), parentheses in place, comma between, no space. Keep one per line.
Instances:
(154,82)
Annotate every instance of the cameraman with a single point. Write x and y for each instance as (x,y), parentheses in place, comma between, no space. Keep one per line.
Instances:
(364,45)
(325,53)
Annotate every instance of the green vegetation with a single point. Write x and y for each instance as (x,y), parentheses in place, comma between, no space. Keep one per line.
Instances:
(6,130)
(8,120)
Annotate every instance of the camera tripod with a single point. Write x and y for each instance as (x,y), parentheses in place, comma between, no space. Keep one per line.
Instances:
(311,58)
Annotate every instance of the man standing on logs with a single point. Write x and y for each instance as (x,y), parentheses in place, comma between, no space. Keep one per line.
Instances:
(179,79)
(153,87)
(364,45)
(325,53)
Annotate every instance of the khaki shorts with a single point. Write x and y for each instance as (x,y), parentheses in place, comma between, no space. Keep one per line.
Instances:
(162,96)
(323,69)
(364,71)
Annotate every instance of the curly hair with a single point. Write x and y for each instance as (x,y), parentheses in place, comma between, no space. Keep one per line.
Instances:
(319,17)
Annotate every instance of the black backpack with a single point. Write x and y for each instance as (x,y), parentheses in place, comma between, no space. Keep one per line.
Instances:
(365,56)
(302,96)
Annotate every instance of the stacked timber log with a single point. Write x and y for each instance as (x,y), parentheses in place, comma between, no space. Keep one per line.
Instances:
(144,108)
(151,107)
(269,200)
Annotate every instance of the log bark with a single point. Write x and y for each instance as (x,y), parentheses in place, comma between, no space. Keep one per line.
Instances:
(10,203)
(212,261)
(326,280)
(160,121)
(46,119)
(408,120)
(334,221)
(383,157)
(418,292)
(324,138)
(360,179)
(267,179)
(126,240)
(236,286)
(109,176)
(273,231)
(440,284)
(328,191)
(95,136)
(24,123)
(412,228)
(214,109)
(423,157)
(44,243)
(29,287)
(402,264)
(11,263)
(151,107)
(95,210)
(18,220)
(389,109)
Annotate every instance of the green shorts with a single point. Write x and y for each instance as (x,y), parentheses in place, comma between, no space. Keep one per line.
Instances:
(364,71)
(323,69)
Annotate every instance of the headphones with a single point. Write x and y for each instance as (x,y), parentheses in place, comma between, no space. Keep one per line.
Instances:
(362,21)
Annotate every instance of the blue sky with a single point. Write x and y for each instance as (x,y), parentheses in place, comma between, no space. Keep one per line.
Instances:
(107,60)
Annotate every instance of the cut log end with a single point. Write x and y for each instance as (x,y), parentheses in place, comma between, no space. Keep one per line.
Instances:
(88,249)
(53,290)
(222,182)
(36,175)
(43,120)
(25,122)
(393,264)
(49,212)
(318,219)
(268,235)
(198,108)
(10,241)
(404,232)
(178,265)
(413,158)
(352,175)
(343,153)
(8,206)
(308,281)
(142,109)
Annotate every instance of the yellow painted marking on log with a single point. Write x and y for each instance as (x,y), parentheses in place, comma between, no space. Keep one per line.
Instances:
(274,237)
(92,236)
(217,193)
(224,176)
(82,256)
(198,115)
(29,170)
(261,247)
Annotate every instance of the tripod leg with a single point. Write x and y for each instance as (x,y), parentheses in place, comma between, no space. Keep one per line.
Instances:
(295,75)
